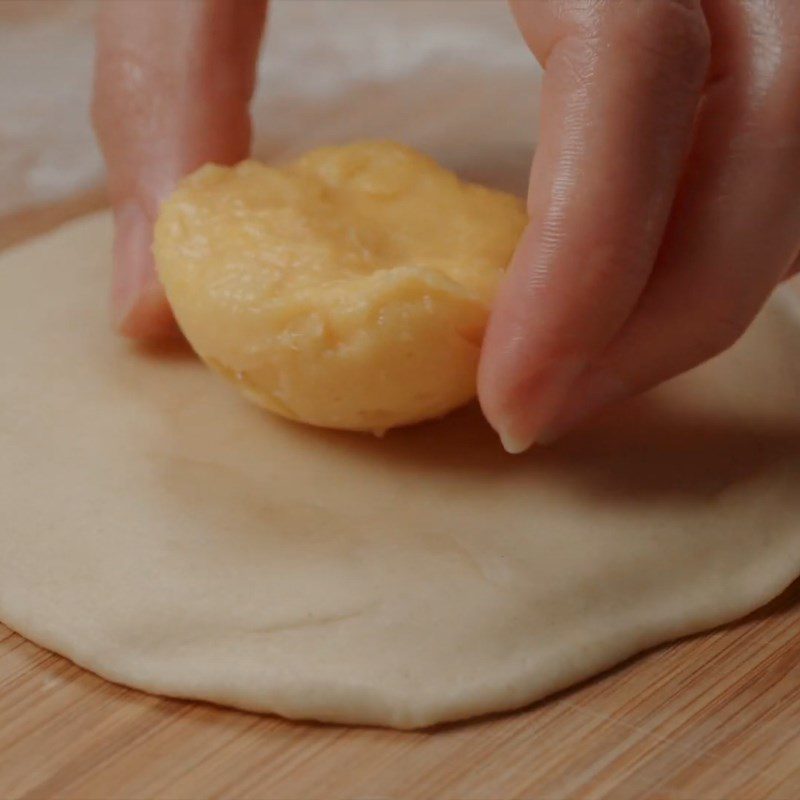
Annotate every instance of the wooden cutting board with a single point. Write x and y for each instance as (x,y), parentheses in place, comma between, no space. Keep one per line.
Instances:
(716,717)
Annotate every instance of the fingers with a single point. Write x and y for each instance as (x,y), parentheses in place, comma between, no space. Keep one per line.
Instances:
(793,270)
(173,81)
(735,231)
(622,84)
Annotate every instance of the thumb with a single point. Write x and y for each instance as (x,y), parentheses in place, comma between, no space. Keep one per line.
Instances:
(173,82)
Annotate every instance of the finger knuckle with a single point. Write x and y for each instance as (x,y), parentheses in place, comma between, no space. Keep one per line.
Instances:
(673,34)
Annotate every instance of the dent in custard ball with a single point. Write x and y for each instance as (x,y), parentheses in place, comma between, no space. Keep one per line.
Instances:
(349,289)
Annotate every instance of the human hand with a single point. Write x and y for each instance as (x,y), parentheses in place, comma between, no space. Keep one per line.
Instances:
(664,201)
(662,197)
(173,81)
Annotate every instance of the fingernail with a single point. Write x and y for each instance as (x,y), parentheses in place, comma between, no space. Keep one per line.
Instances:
(134,270)
(589,395)
(540,399)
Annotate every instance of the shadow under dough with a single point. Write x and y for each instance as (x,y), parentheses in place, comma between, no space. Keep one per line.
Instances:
(643,450)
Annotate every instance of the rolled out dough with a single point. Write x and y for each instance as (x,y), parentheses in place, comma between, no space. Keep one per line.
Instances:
(159,530)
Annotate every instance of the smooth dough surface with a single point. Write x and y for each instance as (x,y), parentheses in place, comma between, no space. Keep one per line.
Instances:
(348,289)
(161,531)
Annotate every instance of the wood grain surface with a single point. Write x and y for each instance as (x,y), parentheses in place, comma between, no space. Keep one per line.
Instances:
(716,717)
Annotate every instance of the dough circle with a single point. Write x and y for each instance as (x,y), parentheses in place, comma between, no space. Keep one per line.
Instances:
(159,530)
(348,289)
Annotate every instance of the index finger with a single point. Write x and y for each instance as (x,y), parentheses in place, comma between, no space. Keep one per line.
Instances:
(621,89)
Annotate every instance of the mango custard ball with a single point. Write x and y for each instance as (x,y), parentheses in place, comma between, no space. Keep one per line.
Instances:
(349,289)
